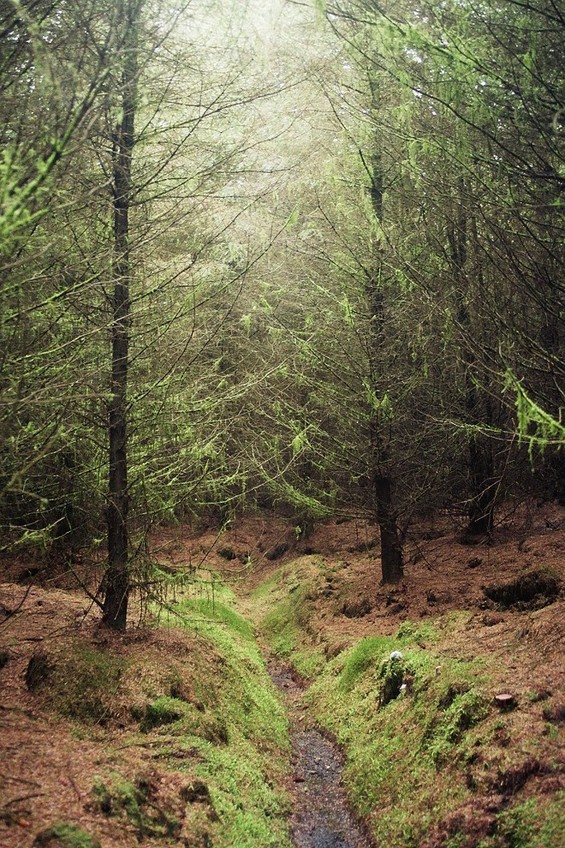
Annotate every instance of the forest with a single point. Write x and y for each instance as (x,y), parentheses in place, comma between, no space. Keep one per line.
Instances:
(282,395)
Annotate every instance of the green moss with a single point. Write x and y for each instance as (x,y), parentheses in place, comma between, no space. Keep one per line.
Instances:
(395,738)
(162,711)
(245,770)
(68,835)
(287,625)
(82,683)
(419,732)
(252,813)
(533,823)
(214,610)
(365,655)
(452,720)
(415,632)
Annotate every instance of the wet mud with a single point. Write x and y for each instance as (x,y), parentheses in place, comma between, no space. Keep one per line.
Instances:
(321,817)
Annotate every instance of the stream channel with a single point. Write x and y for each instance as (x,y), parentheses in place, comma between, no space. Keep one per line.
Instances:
(321,817)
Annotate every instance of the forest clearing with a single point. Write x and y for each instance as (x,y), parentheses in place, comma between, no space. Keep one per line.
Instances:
(282,423)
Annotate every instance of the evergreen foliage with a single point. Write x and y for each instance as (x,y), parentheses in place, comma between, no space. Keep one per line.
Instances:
(345,283)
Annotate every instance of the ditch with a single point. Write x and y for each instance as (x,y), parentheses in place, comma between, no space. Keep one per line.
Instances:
(321,817)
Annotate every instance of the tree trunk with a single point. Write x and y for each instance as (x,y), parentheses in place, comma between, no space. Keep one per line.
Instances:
(481,466)
(481,510)
(117,576)
(391,546)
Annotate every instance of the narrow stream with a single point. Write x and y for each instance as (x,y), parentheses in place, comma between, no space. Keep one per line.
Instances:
(321,817)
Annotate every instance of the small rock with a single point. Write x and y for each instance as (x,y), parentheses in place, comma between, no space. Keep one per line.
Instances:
(492,619)
(505,701)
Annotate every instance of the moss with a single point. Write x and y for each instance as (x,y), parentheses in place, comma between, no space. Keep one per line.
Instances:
(452,720)
(82,683)
(217,611)
(393,672)
(366,654)
(411,632)
(287,625)
(164,710)
(533,823)
(245,771)
(66,835)
(395,738)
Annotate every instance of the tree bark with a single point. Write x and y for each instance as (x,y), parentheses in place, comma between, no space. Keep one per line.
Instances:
(392,570)
(481,465)
(117,581)
(392,567)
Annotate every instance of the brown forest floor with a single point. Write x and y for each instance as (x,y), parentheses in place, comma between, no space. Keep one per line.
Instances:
(45,765)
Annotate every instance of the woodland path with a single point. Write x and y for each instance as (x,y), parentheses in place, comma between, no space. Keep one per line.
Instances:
(321,817)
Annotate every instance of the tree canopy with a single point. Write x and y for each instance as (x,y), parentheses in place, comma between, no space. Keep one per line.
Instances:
(294,256)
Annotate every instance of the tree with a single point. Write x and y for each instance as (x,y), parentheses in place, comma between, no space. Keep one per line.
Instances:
(474,129)
(117,577)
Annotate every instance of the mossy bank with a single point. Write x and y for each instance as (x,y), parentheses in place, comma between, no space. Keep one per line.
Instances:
(173,734)
(432,758)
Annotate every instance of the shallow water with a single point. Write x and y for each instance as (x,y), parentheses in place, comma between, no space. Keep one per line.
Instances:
(321,816)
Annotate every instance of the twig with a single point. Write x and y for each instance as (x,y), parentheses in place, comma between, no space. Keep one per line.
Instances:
(11,612)
(19,780)
(24,798)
